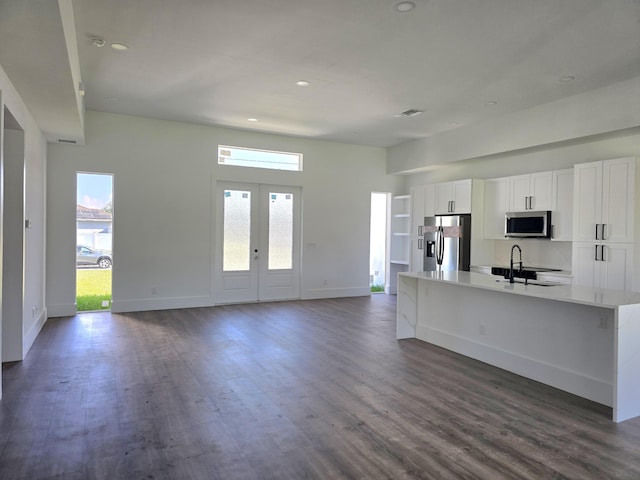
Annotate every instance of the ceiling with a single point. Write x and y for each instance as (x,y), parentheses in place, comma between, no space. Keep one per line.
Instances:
(221,62)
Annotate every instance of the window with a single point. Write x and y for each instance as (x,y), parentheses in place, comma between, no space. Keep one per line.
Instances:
(250,157)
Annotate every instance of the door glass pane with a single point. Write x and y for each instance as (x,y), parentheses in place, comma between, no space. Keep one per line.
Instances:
(280,231)
(236,247)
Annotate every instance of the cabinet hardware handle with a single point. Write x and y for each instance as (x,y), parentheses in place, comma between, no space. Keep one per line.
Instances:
(602,253)
(597,232)
(604,230)
(420,230)
(420,243)
(553,231)
(453,206)
(596,259)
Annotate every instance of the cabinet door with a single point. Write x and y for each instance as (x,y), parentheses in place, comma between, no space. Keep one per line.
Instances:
(616,266)
(562,205)
(430,200)
(618,180)
(416,261)
(462,196)
(587,200)
(584,267)
(444,195)
(417,208)
(540,190)
(519,187)
(496,204)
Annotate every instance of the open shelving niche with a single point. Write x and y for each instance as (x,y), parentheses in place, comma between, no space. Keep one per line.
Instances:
(399,247)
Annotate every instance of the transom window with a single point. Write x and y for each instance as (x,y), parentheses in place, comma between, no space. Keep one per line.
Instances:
(251,157)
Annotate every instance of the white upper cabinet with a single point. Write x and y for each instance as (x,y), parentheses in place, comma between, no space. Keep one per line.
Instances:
(417,208)
(422,205)
(531,192)
(603,201)
(496,204)
(562,205)
(453,197)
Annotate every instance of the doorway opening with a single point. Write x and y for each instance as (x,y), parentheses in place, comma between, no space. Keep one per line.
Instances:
(378,241)
(94,240)
(12,228)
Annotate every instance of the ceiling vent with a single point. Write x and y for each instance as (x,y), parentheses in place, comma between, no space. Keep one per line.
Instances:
(64,140)
(412,112)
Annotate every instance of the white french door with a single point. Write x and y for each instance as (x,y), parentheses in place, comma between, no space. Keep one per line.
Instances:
(258,242)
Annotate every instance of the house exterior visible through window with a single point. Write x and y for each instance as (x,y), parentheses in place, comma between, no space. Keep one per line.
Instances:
(250,157)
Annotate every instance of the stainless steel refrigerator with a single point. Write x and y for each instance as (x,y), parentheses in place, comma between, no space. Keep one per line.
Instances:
(447,242)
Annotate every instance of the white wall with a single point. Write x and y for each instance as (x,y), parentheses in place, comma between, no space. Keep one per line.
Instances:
(164,176)
(573,119)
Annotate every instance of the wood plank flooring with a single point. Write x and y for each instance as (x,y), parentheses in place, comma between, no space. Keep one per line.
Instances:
(293,390)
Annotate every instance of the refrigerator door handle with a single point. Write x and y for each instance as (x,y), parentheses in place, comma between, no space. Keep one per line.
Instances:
(440,243)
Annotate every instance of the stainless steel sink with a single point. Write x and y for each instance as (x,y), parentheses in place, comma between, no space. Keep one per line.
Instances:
(539,283)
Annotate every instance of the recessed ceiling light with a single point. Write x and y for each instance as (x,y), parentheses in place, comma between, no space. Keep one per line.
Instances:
(454,124)
(568,78)
(303,83)
(112,99)
(491,103)
(252,119)
(119,46)
(404,6)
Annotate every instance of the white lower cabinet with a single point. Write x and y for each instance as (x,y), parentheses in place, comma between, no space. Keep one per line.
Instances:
(603,265)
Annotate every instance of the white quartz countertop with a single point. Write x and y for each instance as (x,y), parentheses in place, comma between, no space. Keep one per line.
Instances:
(565,293)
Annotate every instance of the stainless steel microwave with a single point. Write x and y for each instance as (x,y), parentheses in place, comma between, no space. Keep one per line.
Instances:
(527,224)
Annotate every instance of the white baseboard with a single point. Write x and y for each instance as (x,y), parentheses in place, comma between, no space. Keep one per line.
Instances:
(147,304)
(62,310)
(318,293)
(34,331)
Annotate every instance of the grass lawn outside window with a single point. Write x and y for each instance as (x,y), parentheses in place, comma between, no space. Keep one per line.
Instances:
(93,290)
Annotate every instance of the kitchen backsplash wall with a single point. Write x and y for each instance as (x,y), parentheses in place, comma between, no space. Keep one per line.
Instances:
(535,252)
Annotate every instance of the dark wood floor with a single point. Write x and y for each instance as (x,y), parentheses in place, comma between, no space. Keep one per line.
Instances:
(293,390)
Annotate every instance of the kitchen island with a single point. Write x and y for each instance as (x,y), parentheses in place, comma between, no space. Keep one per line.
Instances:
(582,340)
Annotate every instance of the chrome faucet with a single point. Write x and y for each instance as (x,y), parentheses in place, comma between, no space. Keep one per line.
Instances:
(511,264)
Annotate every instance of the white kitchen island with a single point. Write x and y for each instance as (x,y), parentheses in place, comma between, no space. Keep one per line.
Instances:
(582,340)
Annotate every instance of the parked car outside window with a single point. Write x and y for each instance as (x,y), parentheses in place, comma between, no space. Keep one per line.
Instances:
(88,256)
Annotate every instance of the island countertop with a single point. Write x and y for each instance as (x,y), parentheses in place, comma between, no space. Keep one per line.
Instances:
(594,297)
